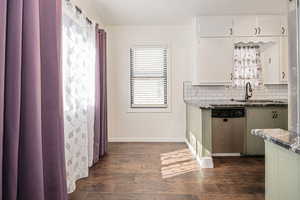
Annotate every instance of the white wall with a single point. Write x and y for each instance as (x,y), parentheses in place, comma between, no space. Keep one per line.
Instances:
(125,126)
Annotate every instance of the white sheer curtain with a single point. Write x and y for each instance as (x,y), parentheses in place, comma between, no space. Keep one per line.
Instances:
(78,88)
(247,65)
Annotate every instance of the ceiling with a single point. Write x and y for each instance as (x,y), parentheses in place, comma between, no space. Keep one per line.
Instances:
(178,12)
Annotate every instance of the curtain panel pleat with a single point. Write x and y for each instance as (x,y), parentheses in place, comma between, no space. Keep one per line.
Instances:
(52,100)
(3,8)
(100,126)
(31,125)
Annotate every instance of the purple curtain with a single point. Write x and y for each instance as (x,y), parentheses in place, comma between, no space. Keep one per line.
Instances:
(31,131)
(100,138)
(3,7)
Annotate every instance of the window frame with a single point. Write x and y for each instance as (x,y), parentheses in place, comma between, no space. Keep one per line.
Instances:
(150,108)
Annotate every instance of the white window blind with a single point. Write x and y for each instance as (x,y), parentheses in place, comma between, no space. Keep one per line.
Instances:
(148,77)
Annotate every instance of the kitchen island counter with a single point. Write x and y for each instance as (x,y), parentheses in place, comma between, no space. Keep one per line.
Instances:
(282,163)
(286,139)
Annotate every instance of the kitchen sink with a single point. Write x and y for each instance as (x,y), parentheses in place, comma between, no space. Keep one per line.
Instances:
(257,101)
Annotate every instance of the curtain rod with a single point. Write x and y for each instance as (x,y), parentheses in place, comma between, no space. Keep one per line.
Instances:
(78,9)
(80,12)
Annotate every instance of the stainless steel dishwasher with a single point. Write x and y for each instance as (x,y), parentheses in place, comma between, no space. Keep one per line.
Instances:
(228,131)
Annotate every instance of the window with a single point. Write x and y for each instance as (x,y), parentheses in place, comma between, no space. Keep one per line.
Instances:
(149,77)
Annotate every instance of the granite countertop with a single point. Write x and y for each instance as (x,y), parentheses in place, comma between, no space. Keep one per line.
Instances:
(286,139)
(210,104)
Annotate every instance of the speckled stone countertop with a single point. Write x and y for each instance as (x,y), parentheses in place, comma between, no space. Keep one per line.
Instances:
(283,138)
(210,104)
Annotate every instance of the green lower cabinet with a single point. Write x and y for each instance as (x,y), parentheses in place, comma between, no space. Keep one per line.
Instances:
(263,118)
(198,132)
(205,147)
(199,128)
(282,173)
(188,124)
(195,127)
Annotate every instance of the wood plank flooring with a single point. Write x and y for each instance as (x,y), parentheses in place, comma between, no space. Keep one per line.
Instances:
(137,171)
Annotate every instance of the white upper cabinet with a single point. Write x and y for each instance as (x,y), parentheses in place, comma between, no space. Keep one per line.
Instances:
(215,37)
(214,26)
(242,26)
(245,26)
(214,61)
(284,60)
(269,25)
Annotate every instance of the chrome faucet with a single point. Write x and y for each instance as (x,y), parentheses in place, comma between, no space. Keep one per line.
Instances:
(249,91)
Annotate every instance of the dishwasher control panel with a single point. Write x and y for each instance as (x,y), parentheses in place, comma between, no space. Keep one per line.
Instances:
(228,113)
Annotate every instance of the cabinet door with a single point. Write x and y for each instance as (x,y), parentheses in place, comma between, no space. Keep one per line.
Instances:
(214,61)
(245,26)
(263,118)
(195,126)
(270,60)
(206,146)
(188,121)
(269,25)
(282,173)
(284,25)
(284,59)
(280,119)
(215,26)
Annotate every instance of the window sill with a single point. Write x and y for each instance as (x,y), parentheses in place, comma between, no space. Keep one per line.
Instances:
(149,110)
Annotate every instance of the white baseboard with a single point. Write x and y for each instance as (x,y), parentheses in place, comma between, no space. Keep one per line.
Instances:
(146,139)
(226,154)
(204,162)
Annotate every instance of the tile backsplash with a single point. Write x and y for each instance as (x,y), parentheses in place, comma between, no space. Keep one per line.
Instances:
(192,92)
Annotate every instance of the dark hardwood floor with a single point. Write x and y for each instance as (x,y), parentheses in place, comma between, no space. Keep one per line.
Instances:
(166,171)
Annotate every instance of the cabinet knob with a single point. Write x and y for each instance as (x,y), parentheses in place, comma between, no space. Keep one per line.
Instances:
(275,114)
(282,30)
(255,33)
(283,75)
(231,31)
(259,30)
